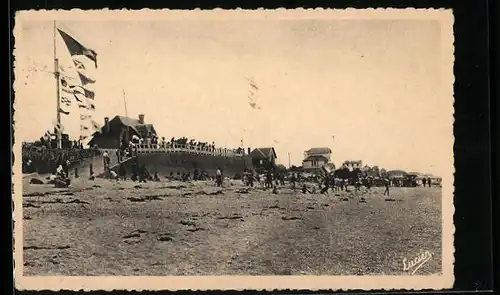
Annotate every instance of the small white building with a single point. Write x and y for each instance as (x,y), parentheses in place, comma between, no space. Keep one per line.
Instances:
(316,158)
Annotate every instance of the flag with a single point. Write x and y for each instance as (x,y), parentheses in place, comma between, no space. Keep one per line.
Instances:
(79,65)
(82,90)
(77,97)
(63,111)
(71,90)
(95,125)
(58,127)
(84,60)
(253,85)
(85,79)
(76,48)
(65,85)
(66,101)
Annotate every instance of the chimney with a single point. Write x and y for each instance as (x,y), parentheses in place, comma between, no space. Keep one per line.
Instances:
(106,124)
(141,118)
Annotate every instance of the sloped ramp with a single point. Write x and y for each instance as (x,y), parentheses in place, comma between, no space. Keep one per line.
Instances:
(101,173)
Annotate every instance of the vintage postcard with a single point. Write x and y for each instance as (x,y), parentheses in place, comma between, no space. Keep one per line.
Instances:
(234,149)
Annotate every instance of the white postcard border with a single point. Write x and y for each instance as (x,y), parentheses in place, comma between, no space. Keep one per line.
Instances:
(439,281)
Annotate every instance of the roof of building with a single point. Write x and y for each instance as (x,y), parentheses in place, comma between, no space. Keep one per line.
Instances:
(330,165)
(142,130)
(263,153)
(319,150)
(316,158)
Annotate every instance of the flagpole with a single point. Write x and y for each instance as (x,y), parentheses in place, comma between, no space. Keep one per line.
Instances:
(125,103)
(56,74)
(333,147)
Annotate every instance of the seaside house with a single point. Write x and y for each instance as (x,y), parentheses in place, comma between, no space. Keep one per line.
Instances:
(352,165)
(264,158)
(121,129)
(316,158)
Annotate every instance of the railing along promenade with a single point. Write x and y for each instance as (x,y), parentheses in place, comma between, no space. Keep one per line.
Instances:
(192,149)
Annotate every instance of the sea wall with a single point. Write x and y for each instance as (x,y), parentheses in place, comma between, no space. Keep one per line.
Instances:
(45,160)
(165,163)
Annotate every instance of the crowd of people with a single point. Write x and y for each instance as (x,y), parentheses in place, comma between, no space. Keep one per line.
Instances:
(153,141)
(44,159)
(324,183)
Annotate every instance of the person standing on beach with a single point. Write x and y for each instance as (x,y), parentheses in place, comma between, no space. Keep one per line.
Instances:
(429,181)
(293,179)
(326,185)
(122,169)
(386,183)
(218,177)
(105,159)
(269,179)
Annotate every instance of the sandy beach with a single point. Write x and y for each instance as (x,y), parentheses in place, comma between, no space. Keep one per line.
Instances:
(106,227)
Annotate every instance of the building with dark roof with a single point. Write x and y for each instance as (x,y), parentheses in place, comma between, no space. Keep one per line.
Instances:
(264,158)
(120,130)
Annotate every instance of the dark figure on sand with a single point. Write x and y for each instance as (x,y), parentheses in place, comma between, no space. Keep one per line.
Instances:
(218,178)
(156,177)
(293,180)
(269,179)
(386,183)
(122,171)
(326,185)
(357,185)
(282,179)
(143,174)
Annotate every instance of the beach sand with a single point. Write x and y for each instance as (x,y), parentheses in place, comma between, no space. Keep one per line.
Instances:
(114,228)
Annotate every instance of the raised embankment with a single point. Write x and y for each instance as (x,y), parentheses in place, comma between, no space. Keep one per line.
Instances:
(165,163)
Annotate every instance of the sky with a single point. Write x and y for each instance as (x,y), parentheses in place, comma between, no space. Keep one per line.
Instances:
(371,90)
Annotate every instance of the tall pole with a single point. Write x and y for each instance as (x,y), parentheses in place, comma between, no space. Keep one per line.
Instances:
(125,103)
(333,155)
(289,161)
(58,104)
